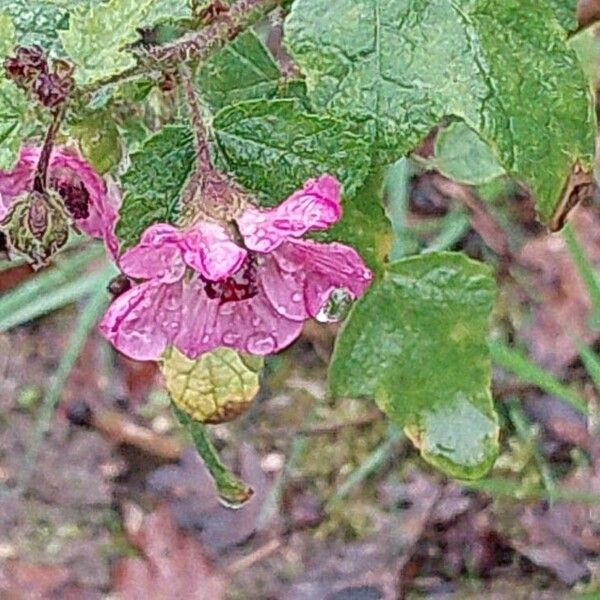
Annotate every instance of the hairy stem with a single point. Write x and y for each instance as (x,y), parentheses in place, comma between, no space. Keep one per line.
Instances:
(41,172)
(195,114)
(200,46)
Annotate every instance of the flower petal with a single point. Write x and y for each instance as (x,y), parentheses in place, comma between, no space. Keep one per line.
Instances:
(283,288)
(253,326)
(102,212)
(13,183)
(315,206)
(199,315)
(327,267)
(157,256)
(211,252)
(142,322)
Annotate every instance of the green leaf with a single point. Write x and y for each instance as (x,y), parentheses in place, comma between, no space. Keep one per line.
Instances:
(231,490)
(16,124)
(153,182)
(273,146)
(401,66)
(243,70)
(99,33)
(460,154)
(416,344)
(7,34)
(36,22)
(217,387)
(566,12)
(99,140)
(364,225)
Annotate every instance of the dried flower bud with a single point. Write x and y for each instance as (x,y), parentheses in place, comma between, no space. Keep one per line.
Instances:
(52,90)
(36,227)
(167,83)
(26,65)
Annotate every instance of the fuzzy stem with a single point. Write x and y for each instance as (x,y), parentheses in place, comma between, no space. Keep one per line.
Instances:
(41,172)
(232,491)
(204,162)
(200,46)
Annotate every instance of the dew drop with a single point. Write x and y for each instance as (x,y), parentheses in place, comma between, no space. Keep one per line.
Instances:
(336,307)
(261,343)
(231,338)
(296,297)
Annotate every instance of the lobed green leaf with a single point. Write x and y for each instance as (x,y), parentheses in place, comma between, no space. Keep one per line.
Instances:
(243,70)
(273,146)
(99,34)
(154,181)
(401,66)
(416,344)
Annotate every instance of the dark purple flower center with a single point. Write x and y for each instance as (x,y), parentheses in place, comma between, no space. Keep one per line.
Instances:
(119,285)
(75,197)
(242,285)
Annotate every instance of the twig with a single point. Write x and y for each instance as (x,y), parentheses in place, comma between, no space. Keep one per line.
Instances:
(120,429)
(249,561)
(198,47)
(204,162)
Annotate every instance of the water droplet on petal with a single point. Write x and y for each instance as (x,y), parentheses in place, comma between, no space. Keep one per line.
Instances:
(231,338)
(337,306)
(296,297)
(261,343)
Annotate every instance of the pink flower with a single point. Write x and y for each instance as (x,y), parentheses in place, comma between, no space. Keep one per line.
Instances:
(91,205)
(253,299)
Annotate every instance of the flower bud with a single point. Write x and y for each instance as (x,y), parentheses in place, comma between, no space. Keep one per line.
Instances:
(36,227)
(52,90)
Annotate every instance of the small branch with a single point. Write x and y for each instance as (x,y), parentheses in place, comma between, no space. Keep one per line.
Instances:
(258,555)
(40,178)
(198,47)
(120,429)
(481,220)
(239,17)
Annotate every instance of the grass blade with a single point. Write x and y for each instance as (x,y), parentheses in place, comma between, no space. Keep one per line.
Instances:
(586,271)
(46,281)
(519,365)
(87,320)
(46,302)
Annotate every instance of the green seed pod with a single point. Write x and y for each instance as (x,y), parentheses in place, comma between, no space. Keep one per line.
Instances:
(217,387)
